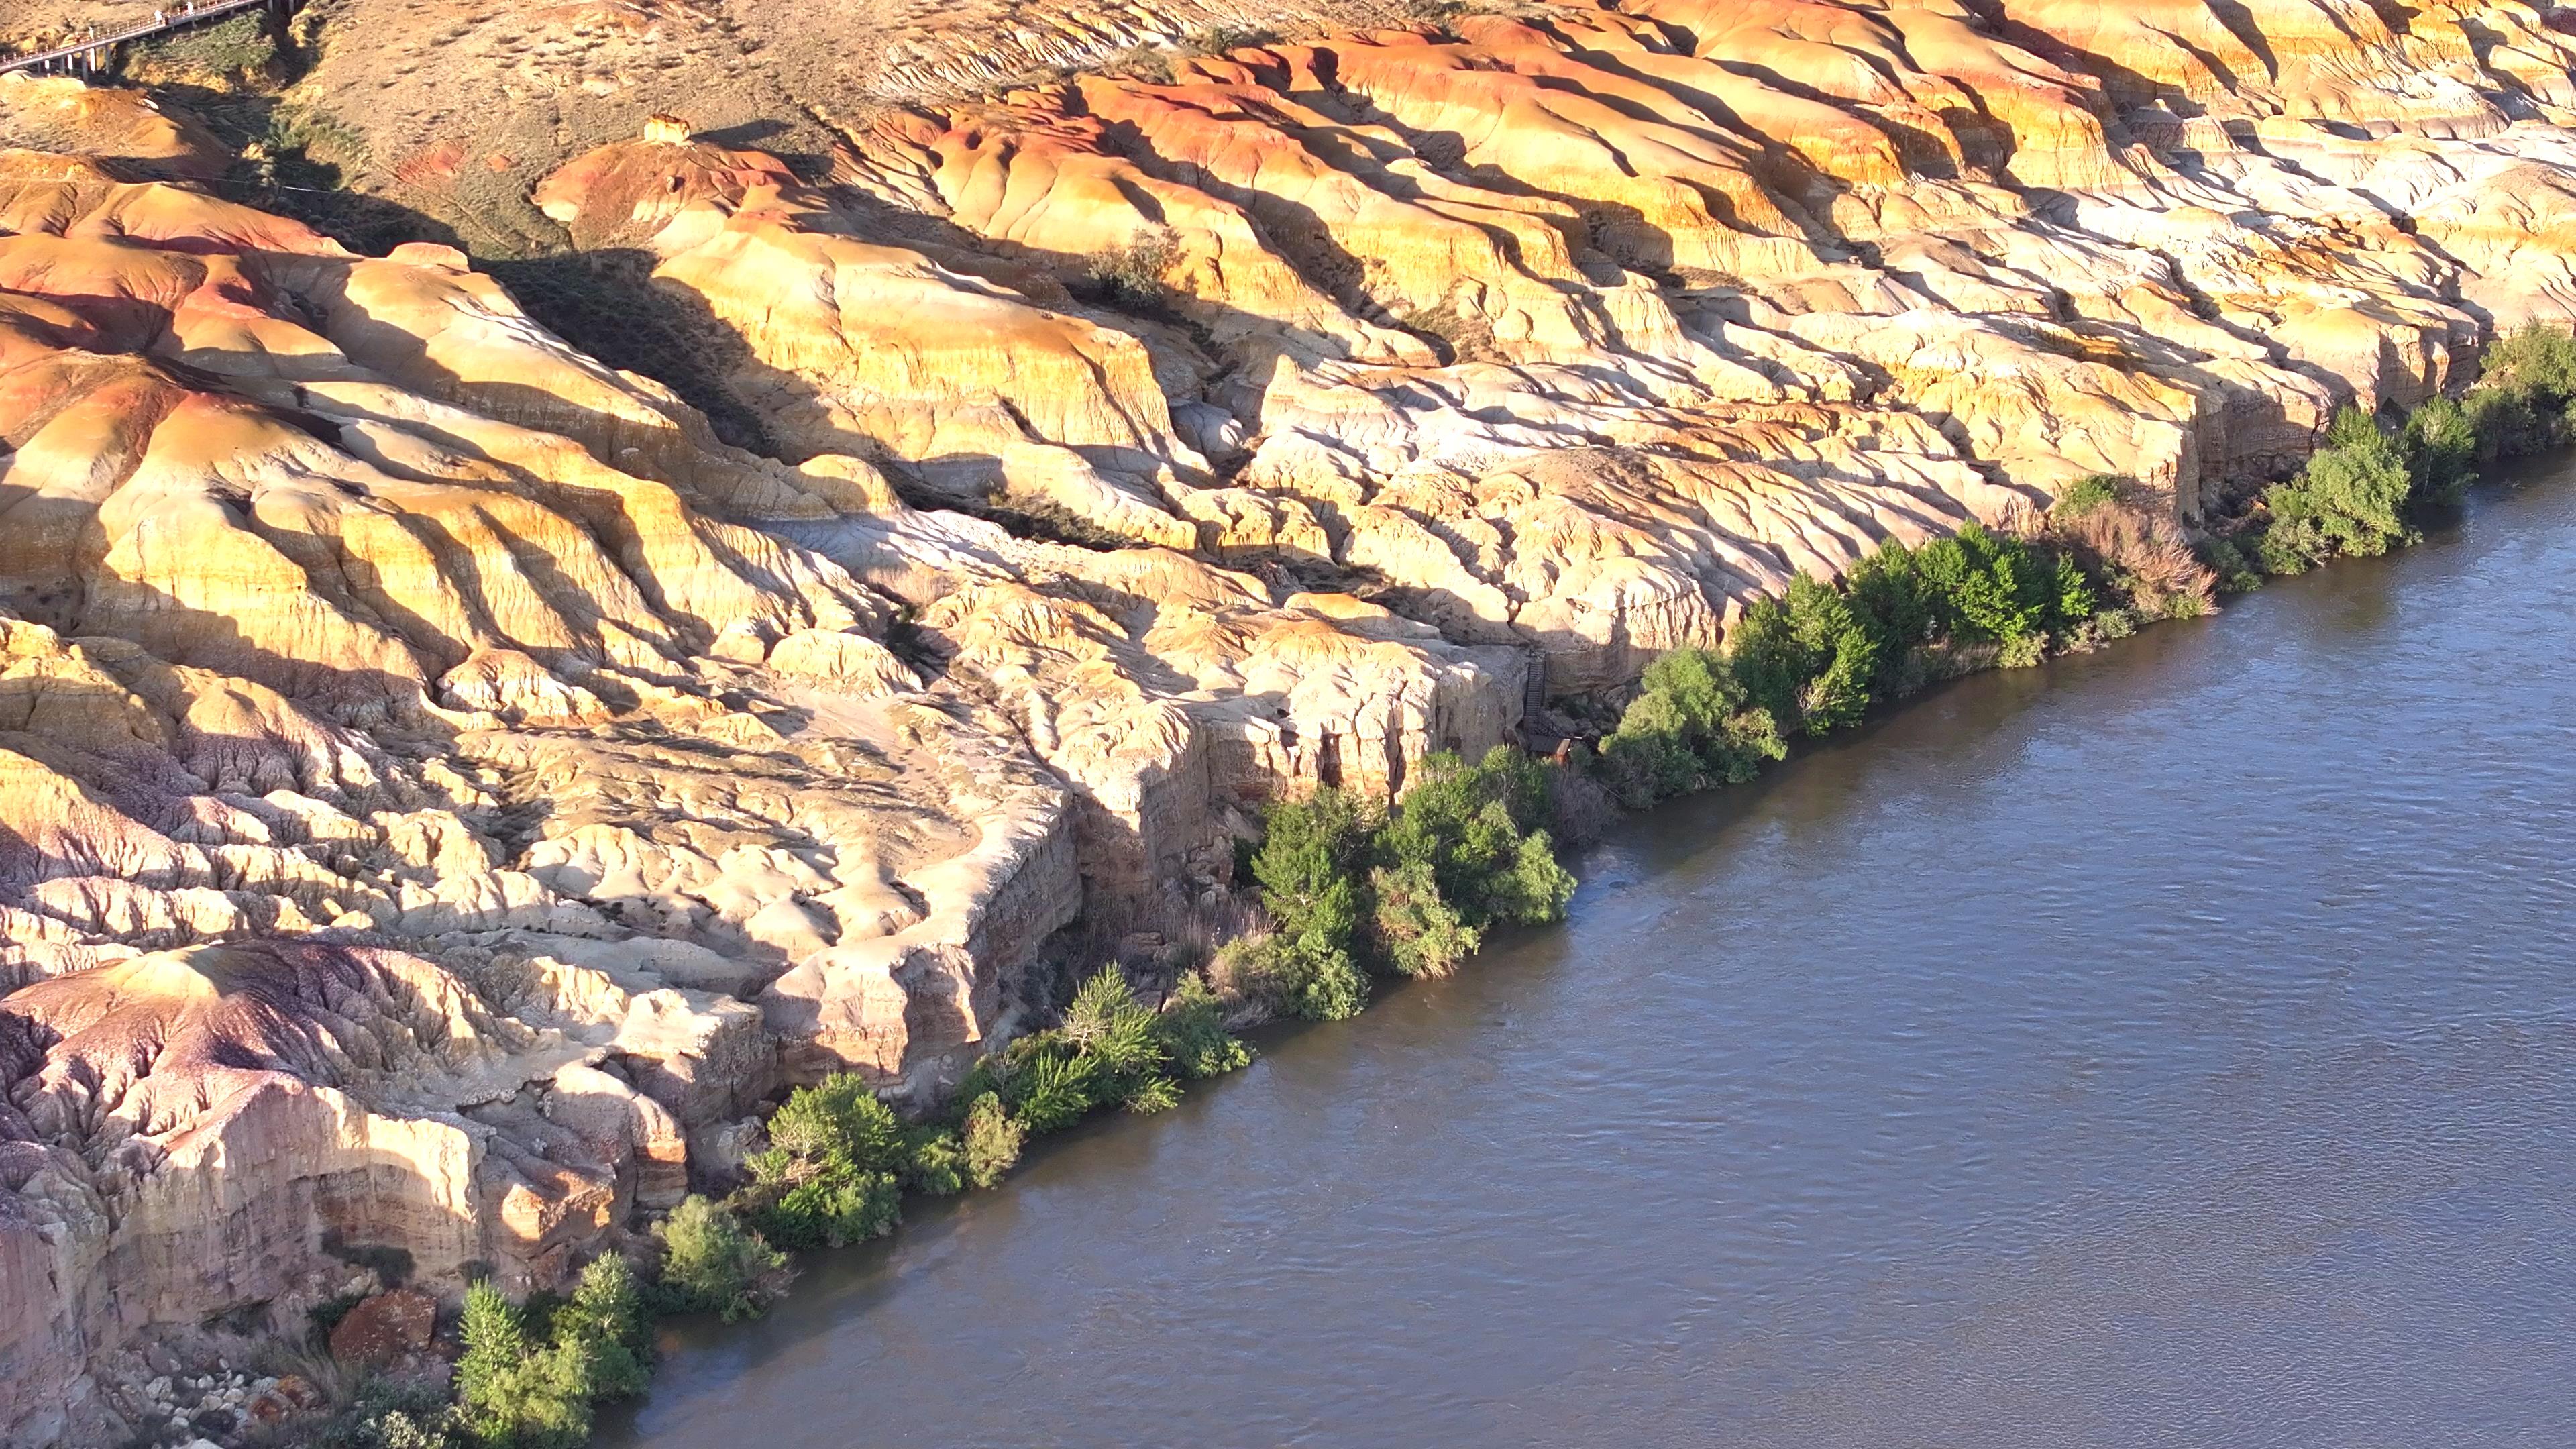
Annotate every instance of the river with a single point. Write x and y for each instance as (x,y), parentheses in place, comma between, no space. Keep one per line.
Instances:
(2174,1045)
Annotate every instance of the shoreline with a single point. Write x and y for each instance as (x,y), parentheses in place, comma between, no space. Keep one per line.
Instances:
(2427,478)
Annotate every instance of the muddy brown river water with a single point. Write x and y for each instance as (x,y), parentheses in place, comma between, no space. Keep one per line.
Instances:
(2170,1046)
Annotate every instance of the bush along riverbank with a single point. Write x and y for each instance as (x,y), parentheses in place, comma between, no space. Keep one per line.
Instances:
(2094,568)
(838,1166)
(1354,891)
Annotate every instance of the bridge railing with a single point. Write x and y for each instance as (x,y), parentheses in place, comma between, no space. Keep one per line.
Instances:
(91,52)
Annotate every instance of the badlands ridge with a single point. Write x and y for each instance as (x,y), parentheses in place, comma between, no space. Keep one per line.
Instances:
(444,785)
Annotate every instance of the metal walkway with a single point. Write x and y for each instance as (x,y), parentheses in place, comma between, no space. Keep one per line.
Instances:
(90,54)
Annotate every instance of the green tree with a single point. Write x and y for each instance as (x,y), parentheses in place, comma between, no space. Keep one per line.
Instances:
(830,1174)
(843,1114)
(991,1139)
(1692,724)
(1469,830)
(604,1321)
(1985,586)
(1194,1033)
(1311,852)
(2440,444)
(821,1202)
(1421,933)
(2350,499)
(1764,653)
(495,1338)
(711,1263)
(1312,868)
(514,1395)
(1841,656)
(1809,659)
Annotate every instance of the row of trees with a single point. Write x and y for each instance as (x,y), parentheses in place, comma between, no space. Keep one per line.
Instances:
(836,1170)
(1355,890)
(2359,495)
(1814,661)
(839,1161)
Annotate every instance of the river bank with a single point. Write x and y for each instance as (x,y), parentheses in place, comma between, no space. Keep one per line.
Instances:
(2157,1045)
(1355,893)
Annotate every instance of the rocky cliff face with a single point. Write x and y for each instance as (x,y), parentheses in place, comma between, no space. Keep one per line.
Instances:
(443,785)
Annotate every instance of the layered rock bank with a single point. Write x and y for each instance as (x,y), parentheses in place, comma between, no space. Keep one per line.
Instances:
(445,785)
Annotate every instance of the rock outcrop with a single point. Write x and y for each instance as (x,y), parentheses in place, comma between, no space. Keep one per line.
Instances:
(444,786)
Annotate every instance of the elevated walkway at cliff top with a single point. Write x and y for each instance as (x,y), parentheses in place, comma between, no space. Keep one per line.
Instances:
(89,54)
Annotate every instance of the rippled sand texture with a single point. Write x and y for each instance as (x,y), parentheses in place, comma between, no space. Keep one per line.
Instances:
(443,785)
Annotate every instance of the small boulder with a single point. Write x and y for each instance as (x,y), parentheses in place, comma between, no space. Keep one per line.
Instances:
(386,1329)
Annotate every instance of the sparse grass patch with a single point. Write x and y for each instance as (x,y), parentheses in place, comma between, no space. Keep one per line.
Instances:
(231,53)
(2142,557)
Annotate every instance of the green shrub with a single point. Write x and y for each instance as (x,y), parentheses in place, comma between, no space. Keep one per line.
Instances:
(1122,1038)
(2350,499)
(1131,276)
(2236,569)
(1815,659)
(1112,1050)
(2354,497)
(1472,836)
(828,1177)
(390,1414)
(1195,1035)
(227,50)
(991,1139)
(2126,557)
(1307,975)
(934,1161)
(1692,725)
(1422,934)
(2093,490)
(711,1263)
(1218,39)
(1349,890)
(512,1394)
(2076,600)
(820,1202)
(2522,403)
(604,1320)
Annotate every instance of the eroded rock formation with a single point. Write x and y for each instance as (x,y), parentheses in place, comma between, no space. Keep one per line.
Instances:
(444,787)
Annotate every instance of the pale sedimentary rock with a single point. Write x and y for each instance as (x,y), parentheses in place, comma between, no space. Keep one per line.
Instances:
(441,782)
